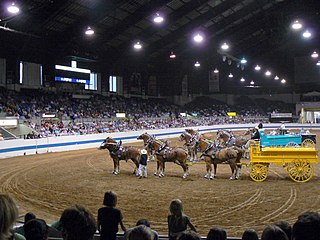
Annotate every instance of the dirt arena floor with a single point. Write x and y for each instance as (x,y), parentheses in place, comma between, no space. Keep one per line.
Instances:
(48,183)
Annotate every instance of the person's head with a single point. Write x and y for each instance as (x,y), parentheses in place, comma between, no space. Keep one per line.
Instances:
(250,234)
(77,223)
(143,221)
(8,215)
(143,151)
(140,232)
(217,233)
(286,227)
(36,229)
(29,216)
(176,207)
(260,125)
(273,233)
(189,235)
(110,199)
(307,227)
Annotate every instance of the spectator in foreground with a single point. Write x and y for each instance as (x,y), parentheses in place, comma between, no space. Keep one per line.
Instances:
(307,227)
(109,217)
(77,223)
(27,217)
(217,233)
(177,220)
(189,235)
(146,223)
(140,232)
(273,232)
(286,227)
(36,229)
(8,216)
(250,234)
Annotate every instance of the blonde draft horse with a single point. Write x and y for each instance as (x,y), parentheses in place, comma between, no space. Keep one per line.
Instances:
(119,152)
(229,139)
(203,135)
(190,144)
(165,154)
(145,137)
(212,154)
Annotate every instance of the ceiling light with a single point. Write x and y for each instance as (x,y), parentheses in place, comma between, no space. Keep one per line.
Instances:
(197,64)
(242,79)
(216,70)
(198,38)
(252,82)
(243,61)
(89,31)
(318,63)
(267,73)
(172,55)
(314,54)
(137,45)
(276,78)
(13,8)
(306,34)
(158,18)
(283,80)
(257,68)
(296,25)
(224,46)
(230,75)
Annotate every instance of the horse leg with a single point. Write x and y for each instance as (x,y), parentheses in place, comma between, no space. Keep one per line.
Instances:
(156,173)
(185,170)
(233,167)
(209,170)
(215,169)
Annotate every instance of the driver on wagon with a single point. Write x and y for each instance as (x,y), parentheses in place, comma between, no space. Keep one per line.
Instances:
(256,134)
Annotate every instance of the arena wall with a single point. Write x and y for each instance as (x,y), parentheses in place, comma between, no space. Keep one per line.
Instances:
(19,147)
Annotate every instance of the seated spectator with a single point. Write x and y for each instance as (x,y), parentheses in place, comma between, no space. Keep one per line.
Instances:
(1,137)
(77,223)
(189,235)
(29,216)
(177,220)
(8,216)
(286,227)
(144,222)
(307,227)
(273,233)
(140,232)
(217,233)
(250,234)
(36,229)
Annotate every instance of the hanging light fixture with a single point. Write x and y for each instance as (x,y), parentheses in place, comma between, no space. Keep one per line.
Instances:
(225,46)
(158,18)
(243,61)
(314,54)
(318,63)
(198,38)
(89,31)
(137,45)
(296,25)
(252,82)
(172,55)
(216,70)
(267,73)
(276,78)
(197,64)
(230,75)
(13,8)
(242,79)
(257,68)
(283,81)
(306,34)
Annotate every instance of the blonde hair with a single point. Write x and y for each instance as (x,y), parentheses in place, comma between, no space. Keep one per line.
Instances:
(8,215)
(176,207)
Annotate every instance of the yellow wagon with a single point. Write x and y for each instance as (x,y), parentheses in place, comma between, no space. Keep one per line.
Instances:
(297,161)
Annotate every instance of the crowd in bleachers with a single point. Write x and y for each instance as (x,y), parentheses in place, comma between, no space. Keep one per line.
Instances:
(78,223)
(97,114)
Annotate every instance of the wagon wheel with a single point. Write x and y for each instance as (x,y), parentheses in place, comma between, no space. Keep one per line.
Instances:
(308,143)
(258,172)
(292,144)
(300,170)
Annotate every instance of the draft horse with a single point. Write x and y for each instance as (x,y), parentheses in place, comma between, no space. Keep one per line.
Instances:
(190,144)
(213,154)
(196,133)
(119,152)
(167,154)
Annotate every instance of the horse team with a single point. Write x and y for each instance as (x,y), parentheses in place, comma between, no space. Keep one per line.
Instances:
(224,148)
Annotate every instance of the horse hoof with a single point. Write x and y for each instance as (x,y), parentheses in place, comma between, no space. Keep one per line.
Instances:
(156,174)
